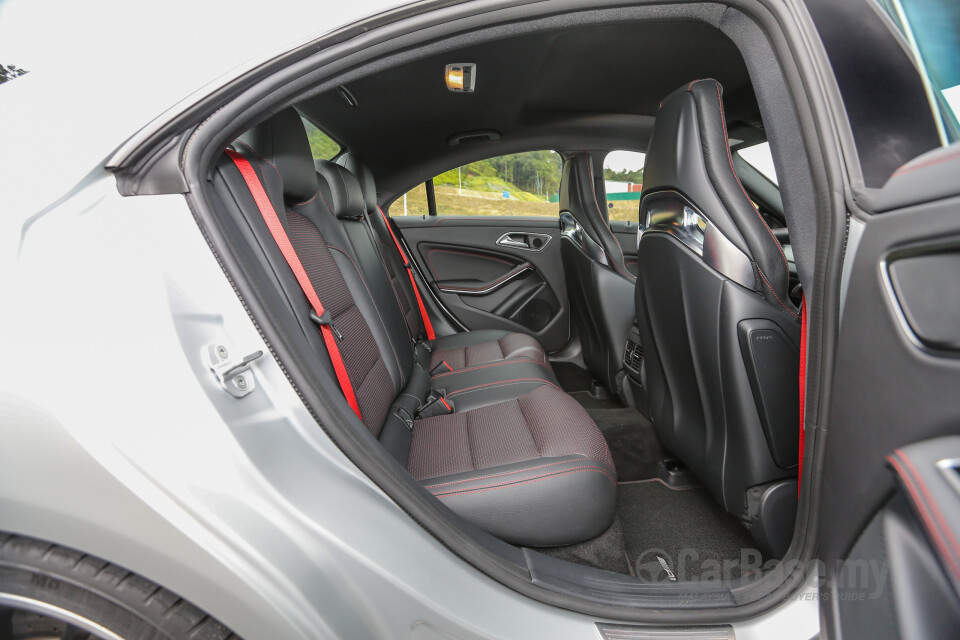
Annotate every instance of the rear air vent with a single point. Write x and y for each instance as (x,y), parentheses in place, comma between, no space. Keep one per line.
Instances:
(633,356)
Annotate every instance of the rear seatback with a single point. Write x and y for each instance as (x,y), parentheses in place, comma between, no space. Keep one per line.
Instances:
(508,450)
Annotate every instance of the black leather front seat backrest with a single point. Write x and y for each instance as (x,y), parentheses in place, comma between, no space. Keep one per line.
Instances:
(600,286)
(578,196)
(689,148)
(720,335)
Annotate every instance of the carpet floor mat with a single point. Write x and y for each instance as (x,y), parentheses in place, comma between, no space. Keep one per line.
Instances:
(632,441)
(685,532)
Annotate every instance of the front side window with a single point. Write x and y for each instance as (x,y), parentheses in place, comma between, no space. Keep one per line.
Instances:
(518,184)
(932,31)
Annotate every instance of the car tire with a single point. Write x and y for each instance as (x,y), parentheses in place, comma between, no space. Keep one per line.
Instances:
(50,591)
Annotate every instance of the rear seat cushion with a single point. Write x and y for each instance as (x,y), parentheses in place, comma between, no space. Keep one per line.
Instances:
(473,348)
(534,470)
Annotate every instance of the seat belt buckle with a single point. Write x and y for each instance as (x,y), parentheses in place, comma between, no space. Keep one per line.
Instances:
(325,321)
(443,367)
(423,343)
(435,405)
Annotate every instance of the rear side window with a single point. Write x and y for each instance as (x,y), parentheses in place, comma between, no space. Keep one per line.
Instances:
(412,203)
(623,180)
(518,184)
(322,146)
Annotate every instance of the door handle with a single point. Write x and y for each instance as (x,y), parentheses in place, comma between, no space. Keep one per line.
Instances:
(525,241)
(518,240)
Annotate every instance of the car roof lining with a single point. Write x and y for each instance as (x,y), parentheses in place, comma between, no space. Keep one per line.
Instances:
(539,89)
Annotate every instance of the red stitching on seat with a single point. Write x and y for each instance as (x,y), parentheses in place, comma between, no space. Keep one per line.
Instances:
(775,293)
(310,200)
(501,383)
(262,157)
(424,316)
(726,144)
(270,218)
(363,281)
(507,473)
(593,191)
(523,482)
(508,361)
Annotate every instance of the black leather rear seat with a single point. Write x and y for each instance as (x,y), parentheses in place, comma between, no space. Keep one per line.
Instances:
(516,456)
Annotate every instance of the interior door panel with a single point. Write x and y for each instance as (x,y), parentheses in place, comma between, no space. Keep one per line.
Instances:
(895,381)
(494,272)
(625,231)
(446,262)
(902,578)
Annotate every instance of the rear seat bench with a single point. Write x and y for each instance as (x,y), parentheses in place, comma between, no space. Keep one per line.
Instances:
(478,418)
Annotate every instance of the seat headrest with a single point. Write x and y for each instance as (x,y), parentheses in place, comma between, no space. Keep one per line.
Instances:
(359,168)
(346,196)
(282,141)
(689,153)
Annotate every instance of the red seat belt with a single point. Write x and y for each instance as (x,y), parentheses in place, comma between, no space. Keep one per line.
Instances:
(290,254)
(416,291)
(803,384)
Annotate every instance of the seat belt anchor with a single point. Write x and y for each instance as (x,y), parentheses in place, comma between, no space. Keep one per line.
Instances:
(325,320)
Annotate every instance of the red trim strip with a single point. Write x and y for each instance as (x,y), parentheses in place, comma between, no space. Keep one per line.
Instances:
(290,254)
(427,326)
(803,385)
(923,509)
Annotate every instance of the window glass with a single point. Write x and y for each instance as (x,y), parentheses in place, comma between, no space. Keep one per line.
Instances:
(932,31)
(412,203)
(518,184)
(622,181)
(323,146)
(759,157)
